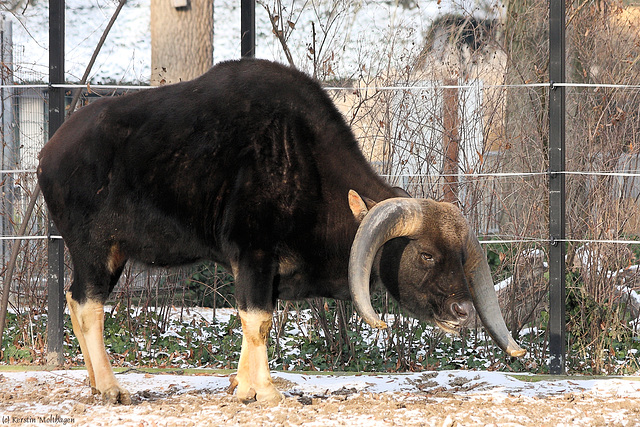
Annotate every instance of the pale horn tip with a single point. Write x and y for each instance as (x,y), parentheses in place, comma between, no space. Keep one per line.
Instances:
(514,350)
(378,324)
(374,322)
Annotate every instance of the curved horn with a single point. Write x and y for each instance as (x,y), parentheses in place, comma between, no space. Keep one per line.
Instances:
(388,219)
(485,298)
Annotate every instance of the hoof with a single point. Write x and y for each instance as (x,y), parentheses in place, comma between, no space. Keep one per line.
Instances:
(243,394)
(248,394)
(115,395)
(265,395)
(269,395)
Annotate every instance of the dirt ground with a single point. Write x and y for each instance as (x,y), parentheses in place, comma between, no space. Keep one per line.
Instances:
(63,400)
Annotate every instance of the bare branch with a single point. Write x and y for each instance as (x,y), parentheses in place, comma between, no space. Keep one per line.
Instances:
(278,32)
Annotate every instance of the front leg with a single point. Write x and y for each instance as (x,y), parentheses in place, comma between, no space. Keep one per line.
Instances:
(253,380)
(254,273)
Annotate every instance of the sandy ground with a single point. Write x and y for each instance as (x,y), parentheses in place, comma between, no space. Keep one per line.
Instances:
(444,398)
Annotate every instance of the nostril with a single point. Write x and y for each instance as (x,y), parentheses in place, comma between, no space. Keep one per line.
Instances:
(462,310)
(459,311)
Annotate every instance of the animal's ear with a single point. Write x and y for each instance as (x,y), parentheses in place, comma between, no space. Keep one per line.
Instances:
(359,205)
(401,192)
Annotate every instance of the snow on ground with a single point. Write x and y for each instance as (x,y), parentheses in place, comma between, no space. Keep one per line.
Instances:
(442,398)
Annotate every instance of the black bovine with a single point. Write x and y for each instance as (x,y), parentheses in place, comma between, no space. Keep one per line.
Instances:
(252,166)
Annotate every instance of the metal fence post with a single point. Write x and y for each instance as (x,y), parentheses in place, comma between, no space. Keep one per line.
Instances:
(6,132)
(557,251)
(451,142)
(248,28)
(55,278)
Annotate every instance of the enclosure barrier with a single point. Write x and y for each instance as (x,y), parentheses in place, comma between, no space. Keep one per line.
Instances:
(458,177)
(556,174)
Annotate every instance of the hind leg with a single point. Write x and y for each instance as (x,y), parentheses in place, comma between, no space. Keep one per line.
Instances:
(77,330)
(86,307)
(89,328)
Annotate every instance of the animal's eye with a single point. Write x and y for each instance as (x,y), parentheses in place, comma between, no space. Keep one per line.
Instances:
(426,257)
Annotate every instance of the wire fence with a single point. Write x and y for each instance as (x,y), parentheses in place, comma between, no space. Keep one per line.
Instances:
(498,176)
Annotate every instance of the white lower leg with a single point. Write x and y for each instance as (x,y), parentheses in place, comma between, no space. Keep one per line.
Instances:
(253,378)
(90,318)
(77,330)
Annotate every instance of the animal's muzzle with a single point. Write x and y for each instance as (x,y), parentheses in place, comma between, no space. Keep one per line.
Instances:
(463,311)
(460,314)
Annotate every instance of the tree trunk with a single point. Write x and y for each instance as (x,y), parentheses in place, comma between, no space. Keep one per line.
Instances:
(181,40)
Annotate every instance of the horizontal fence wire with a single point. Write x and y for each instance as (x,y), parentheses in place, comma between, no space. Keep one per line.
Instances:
(352,88)
(74,86)
(29,237)
(483,242)
(443,175)
(12,171)
(512,174)
(554,241)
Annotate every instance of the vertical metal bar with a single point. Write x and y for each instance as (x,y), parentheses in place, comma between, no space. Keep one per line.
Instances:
(451,142)
(248,28)
(55,279)
(7,124)
(8,144)
(557,251)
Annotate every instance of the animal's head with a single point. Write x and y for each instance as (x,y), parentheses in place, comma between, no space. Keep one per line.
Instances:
(429,260)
